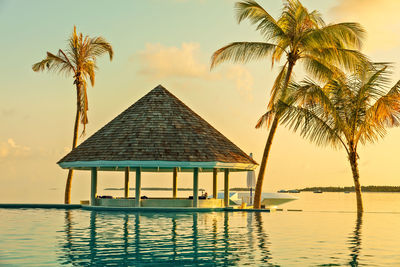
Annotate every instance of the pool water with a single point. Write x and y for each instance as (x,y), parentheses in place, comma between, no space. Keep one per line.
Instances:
(40,237)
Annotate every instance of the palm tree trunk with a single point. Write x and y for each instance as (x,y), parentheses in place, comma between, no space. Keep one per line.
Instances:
(67,197)
(260,178)
(356,178)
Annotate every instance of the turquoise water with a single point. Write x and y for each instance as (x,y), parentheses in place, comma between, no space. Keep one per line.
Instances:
(40,237)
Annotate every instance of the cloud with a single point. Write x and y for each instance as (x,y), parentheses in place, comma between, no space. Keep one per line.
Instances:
(7,112)
(379,18)
(159,61)
(243,80)
(11,149)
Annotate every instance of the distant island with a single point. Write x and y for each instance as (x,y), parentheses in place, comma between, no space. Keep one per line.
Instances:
(369,188)
(153,189)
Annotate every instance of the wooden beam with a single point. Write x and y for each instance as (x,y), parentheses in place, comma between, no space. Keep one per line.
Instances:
(215,183)
(126,185)
(195,187)
(226,188)
(175,183)
(138,186)
(93,186)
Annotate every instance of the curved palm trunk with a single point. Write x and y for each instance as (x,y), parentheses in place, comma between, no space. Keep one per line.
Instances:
(356,178)
(260,178)
(274,126)
(67,197)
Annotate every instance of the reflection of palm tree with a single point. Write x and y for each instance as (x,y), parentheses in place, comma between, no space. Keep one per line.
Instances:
(355,241)
(92,242)
(195,238)
(126,243)
(226,238)
(263,242)
(137,237)
(250,230)
(173,238)
(68,246)
(99,244)
(214,238)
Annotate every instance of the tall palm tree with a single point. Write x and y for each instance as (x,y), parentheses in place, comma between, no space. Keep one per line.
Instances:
(79,59)
(299,36)
(344,113)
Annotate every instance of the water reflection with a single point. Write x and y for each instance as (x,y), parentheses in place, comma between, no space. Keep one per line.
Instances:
(126,239)
(263,239)
(355,241)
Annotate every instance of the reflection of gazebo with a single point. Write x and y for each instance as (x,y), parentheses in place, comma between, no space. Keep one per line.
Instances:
(158,133)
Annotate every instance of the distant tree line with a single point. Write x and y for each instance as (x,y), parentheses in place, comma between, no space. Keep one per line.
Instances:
(369,188)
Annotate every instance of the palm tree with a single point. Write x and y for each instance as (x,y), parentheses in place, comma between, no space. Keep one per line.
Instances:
(299,36)
(344,113)
(79,59)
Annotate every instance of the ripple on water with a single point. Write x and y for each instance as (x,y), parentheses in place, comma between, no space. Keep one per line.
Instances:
(84,238)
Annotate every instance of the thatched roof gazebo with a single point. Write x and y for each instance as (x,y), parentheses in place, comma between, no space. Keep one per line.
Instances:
(158,133)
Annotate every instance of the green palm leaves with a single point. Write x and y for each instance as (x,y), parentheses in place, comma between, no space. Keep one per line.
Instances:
(297,35)
(79,59)
(344,113)
(356,110)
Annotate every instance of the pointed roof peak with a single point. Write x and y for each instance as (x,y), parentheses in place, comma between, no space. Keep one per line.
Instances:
(159,88)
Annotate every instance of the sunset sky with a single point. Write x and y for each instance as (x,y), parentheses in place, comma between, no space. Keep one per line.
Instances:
(166,42)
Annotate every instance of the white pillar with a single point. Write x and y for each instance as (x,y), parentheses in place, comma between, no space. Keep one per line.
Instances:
(226,188)
(137,187)
(126,187)
(195,187)
(215,183)
(93,187)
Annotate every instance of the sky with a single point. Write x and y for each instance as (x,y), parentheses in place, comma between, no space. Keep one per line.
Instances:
(166,42)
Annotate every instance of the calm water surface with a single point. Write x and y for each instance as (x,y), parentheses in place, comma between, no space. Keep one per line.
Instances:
(314,237)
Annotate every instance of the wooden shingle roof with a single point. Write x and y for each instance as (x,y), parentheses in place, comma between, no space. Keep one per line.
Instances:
(158,131)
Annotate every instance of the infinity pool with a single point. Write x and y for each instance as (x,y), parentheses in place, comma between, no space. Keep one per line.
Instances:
(39,237)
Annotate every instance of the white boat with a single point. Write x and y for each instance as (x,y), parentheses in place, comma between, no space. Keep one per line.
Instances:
(233,198)
(268,200)
(283,191)
(272,200)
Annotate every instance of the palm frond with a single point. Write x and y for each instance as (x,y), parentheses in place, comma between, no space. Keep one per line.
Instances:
(56,63)
(84,106)
(386,110)
(98,46)
(277,88)
(266,119)
(320,69)
(78,59)
(347,35)
(241,52)
(252,11)
(316,18)
(89,71)
(312,124)
(347,59)
(41,65)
